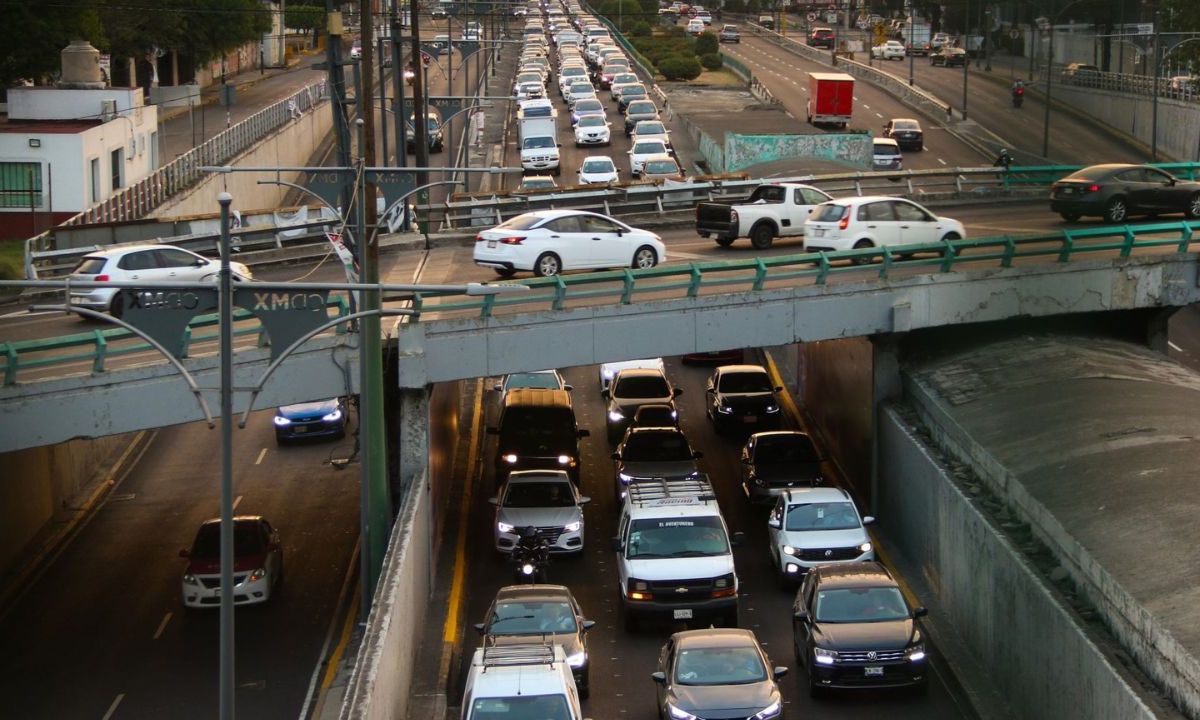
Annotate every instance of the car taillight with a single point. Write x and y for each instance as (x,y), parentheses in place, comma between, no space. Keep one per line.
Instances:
(515,240)
(844,222)
(102,278)
(479,237)
(1093,188)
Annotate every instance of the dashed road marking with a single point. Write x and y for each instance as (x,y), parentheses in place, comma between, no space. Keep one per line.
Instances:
(162,626)
(1174,347)
(941,161)
(261,455)
(113,708)
(237,502)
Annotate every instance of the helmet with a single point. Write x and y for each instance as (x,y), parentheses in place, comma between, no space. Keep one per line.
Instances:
(528,532)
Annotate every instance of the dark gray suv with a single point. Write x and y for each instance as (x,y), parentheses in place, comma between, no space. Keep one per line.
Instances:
(717,673)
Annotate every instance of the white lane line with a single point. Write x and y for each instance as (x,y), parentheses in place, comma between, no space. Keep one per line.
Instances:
(26,313)
(263,453)
(237,502)
(113,708)
(1174,347)
(941,161)
(866,106)
(162,626)
(878,115)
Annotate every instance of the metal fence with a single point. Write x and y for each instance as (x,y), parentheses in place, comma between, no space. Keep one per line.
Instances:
(1169,88)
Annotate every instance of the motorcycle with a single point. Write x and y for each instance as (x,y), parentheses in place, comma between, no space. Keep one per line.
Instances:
(1018,97)
(529,557)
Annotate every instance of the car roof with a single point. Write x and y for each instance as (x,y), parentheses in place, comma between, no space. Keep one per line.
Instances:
(540,397)
(806,495)
(518,476)
(911,120)
(118,251)
(551,214)
(533,592)
(885,141)
(726,369)
(639,372)
(714,637)
(864,574)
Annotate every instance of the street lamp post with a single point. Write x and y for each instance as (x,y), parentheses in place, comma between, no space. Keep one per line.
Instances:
(912,55)
(1050,74)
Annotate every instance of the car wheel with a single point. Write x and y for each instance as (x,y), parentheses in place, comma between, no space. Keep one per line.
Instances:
(1070,216)
(951,236)
(116,308)
(761,236)
(584,687)
(730,619)
(505,272)
(644,258)
(860,245)
(1193,206)
(1116,211)
(547,265)
(725,241)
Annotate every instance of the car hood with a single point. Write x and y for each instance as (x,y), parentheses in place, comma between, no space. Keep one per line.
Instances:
(890,635)
(807,539)
(658,469)
(539,517)
(570,641)
(308,409)
(747,400)
(629,406)
(654,569)
(787,474)
(246,563)
(734,701)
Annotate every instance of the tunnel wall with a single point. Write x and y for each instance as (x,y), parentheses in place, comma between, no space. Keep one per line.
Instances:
(835,386)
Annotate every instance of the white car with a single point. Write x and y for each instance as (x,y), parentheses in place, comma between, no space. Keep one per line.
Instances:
(643,150)
(592,130)
(545,499)
(578,89)
(547,242)
(890,50)
(875,221)
(257,557)
(620,81)
(530,91)
(598,169)
(816,526)
(570,74)
(609,370)
(651,130)
(142,262)
(886,155)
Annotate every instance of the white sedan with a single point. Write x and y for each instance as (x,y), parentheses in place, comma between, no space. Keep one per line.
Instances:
(890,50)
(875,221)
(597,169)
(592,130)
(548,242)
(643,150)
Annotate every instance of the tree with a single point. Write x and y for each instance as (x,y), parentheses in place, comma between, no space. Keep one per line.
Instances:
(706,43)
(712,61)
(211,28)
(33,53)
(309,18)
(678,67)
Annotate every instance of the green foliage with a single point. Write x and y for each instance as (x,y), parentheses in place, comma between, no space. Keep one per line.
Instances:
(655,49)
(712,61)
(674,31)
(678,67)
(212,27)
(641,29)
(735,6)
(706,43)
(649,8)
(623,13)
(40,32)
(305,17)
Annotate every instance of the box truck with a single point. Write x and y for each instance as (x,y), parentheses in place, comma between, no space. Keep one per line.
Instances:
(830,98)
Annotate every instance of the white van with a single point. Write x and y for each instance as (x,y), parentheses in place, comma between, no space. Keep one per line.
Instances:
(675,554)
(520,681)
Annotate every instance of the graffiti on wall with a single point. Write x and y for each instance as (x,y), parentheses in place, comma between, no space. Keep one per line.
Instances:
(742,151)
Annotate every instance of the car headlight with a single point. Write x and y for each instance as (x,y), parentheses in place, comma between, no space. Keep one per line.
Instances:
(281,421)
(865,547)
(505,527)
(564,459)
(724,409)
(678,714)
(615,416)
(824,657)
(527,569)
(916,653)
(770,711)
(625,477)
(772,408)
(257,575)
(573,526)
(789,550)
(577,660)
(333,416)
(510,458)
(190,579)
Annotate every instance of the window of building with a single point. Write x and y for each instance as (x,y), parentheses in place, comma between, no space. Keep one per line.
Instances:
(20,184)
(94,166)
(118,168)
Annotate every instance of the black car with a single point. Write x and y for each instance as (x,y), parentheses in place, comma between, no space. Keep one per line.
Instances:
(775,461)
(852,628)
(630,389)
(948,57)
(522,614)
(537,431)
(821,37)
(906,132)
(655,415)
(741,398)
(653,453)
(1116,191)
(717,673)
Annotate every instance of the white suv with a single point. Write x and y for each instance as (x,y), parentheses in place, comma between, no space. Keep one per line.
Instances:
(816,526)
(520,681)
(875,221)
(546,500)
(674,554)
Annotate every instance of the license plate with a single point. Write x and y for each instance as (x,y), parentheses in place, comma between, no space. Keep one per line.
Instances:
(750,418)
(685,614)
(76,301)
(1066,191)
(873,672)
(818,232)
(491,243)
(299,429)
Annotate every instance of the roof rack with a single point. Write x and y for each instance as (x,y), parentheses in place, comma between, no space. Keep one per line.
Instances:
(660,490)
(510,655)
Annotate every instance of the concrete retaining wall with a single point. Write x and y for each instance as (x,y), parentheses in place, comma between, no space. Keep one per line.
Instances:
(835,387)
(1178,121)
(380,685)
(293,145)
(743,151)
(1014,627)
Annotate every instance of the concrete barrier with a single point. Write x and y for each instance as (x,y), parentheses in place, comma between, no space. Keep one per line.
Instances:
(1178,138)
(1015,626)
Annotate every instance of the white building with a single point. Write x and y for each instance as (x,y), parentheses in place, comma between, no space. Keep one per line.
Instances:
(66,148)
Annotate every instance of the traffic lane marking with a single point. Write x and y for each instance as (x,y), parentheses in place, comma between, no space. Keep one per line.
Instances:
(113,708)
(261,455)
(162,626)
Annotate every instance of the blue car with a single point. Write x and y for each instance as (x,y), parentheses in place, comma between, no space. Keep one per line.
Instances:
(323,418)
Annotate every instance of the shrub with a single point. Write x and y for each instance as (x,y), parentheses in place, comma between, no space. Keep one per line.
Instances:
(712,61)
(678,31)
(9,271)
(641,29)
(678,67)
(706,43)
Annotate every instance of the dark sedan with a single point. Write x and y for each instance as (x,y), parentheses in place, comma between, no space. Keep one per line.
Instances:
(948,57)
(906,132)
(717,673)
(1116,191)
(741,398)
(775,461)
(852,628)
(649,453)
(324,418)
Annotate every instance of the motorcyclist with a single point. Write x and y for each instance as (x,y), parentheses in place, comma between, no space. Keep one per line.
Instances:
(530,549)
(1003,159)
(1018,93)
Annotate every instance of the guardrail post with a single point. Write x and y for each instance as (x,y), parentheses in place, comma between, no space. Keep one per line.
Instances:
(560,292)
(10,370)
(949,255)
(694,281)
(760,274)
(1010,249)
(185,342)
(485,310)
(101,352)
(1130,239)
(822,268)
(627,290)
(885,264)
(418,302)
(1186,238)
(1068,244)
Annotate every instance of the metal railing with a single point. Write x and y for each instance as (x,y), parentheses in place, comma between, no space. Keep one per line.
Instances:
(685,280)
(1131,84)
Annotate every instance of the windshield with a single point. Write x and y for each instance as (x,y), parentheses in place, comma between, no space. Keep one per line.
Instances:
(641,108)
(642,386)
(520,222)
(656,447)
(886,149)
(533,379)
(822,516)
(785,449)
(1096,172)
(647,127)
(649,148)
(544,426)
(858,605)
(573,72)
(581,87)
(906,125)
(634,90)
(677,537)
(544,141)
(831,212)
(524,707)
(662,167)
(528,184)
(719,666)
(592,121)
(247,540)
(588,106)
(531,617)
(89,266)
(597,166)
(552,493)
(745,382)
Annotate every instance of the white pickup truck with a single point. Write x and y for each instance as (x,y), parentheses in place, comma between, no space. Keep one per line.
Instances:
(771,211)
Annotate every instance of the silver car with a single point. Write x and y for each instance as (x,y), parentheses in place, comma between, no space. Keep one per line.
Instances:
(546,500)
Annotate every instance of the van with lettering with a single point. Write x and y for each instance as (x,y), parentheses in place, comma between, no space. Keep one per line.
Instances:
(675,554)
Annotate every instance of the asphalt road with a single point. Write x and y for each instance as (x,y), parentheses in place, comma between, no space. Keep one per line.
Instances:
(102,629)
(621,661)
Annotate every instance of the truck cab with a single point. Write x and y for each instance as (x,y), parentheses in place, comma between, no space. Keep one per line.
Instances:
(772,210)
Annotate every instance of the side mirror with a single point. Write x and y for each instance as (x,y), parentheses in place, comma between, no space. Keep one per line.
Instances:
(184,553)
(738,538)
(582,433)
(778,388)
(493,431)
(774,523)
(605,393)
(697,454)
(659,677)
(868,519)
(616,456)
(568,388)
(498,387)
(479,628)
(616,544)
(746,460)
(584,499)
(801,615)
(677,392)
(588,625)
(200,262)
(780,671)
(920,612)
(494,500)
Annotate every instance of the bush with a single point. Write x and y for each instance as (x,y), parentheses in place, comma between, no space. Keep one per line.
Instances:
(712,61)
(706,43)
(641,29)
(678,67)
(676,31)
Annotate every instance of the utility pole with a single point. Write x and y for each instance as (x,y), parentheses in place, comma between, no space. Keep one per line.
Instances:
(420,124)
(337,90)
(398,87)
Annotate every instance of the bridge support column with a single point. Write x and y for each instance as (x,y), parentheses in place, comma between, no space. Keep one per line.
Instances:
(1156,330)
(413,428)
(885,387)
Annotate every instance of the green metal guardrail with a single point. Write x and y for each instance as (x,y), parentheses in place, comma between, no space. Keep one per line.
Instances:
(95,347)
(623,287)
